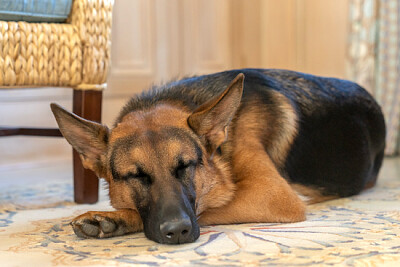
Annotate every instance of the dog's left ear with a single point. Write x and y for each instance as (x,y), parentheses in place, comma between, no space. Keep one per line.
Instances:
(89,139)
(211,119)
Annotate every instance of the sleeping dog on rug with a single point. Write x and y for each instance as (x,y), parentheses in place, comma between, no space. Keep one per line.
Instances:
(240,146)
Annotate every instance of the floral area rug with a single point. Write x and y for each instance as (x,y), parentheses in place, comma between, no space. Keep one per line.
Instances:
(359,231)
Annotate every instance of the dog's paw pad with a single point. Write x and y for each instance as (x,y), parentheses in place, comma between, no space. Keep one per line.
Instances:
(85,229)
(90,229)
(106,224)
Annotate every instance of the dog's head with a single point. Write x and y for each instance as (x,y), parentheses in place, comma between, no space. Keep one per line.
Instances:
(159,161)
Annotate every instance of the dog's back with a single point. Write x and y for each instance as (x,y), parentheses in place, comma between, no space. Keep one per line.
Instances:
(333,141)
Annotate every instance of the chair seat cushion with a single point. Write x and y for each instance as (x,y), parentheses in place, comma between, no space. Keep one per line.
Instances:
(35,10)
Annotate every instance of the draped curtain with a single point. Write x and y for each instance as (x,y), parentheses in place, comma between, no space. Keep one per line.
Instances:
(374,58)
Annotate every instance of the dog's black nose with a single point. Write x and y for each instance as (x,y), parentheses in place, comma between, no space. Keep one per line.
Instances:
(176,231)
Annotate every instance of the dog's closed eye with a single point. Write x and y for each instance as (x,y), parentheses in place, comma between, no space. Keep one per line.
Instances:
(183,167)
(140,175)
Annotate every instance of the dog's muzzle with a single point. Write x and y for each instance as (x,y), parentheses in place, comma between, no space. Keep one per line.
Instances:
(172,221)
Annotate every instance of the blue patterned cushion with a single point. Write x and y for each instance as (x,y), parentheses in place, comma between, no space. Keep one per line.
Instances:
(35,10)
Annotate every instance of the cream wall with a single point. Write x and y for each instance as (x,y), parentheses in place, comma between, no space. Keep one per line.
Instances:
(305,35)
(156,40)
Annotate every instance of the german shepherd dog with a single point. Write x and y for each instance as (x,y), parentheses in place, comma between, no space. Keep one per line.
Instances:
(240,146)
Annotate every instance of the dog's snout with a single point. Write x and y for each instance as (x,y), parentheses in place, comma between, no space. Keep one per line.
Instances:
(176,231)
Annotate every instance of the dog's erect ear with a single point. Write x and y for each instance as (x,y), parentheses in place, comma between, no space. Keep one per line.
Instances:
(211,119)
(89,139)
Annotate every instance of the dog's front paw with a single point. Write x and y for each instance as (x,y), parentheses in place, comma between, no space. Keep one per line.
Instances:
(100,225)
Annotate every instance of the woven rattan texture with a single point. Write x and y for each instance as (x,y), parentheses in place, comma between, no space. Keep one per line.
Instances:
(73,54)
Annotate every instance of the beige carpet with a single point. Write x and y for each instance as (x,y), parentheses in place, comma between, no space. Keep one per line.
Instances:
(360,231)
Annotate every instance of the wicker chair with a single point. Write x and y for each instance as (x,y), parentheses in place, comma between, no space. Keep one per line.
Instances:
(74,54)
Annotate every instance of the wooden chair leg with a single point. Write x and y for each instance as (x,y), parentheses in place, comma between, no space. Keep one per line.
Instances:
(86,104)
